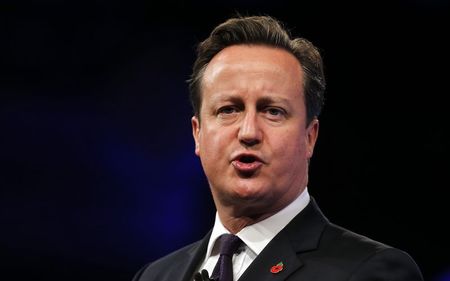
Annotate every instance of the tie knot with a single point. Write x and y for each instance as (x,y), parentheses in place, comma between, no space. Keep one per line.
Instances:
(229,243)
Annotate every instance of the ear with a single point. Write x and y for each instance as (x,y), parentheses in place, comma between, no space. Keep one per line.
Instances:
(196,133)
(312,132)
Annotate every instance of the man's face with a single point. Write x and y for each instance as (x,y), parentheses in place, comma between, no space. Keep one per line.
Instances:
(252,137)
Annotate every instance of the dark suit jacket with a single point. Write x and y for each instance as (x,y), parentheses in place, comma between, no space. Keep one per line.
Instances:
(310,247)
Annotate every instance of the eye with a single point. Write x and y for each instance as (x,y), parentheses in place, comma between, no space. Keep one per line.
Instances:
(275,112)
(226,110)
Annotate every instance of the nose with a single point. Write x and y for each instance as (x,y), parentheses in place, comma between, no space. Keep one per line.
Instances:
(250,133)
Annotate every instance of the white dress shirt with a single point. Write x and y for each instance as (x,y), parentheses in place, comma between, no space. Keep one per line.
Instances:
(255,236)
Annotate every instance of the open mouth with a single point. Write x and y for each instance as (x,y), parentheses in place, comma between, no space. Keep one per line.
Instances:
(247,165)
(247,159)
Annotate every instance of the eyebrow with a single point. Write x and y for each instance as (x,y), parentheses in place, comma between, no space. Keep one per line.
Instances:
(262,100)
(270,99)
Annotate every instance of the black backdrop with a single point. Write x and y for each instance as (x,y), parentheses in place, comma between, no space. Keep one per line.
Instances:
(98,174)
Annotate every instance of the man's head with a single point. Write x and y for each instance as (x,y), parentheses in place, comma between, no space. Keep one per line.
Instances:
(257,130)
(261,30)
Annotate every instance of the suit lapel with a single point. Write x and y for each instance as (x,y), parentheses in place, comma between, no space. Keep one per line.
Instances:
(194,256)
(277,251)
(300,235)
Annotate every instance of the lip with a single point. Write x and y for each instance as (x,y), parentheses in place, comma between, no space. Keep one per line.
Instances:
(245,167)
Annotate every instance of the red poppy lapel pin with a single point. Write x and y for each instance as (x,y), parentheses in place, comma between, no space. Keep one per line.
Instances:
(277,268)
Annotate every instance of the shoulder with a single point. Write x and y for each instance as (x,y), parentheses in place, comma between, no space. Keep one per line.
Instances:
(367,257)
(340,239)
(165,267)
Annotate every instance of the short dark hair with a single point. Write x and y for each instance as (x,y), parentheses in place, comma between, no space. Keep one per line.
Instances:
(261,30)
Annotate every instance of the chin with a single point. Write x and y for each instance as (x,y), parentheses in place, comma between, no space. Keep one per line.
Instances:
(243,191)
(250,192)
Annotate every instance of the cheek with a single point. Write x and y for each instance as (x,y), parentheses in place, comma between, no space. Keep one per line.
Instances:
(290,145)
(212,143)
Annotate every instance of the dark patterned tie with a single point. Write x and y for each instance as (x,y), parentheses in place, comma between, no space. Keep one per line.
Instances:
(223,271)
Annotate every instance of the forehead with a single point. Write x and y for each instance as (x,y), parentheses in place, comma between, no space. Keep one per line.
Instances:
(253,69)
(247,57)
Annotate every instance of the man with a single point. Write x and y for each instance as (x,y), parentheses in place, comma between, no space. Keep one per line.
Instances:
(257,95)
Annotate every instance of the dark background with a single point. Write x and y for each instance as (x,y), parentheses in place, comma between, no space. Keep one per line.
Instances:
(97,168)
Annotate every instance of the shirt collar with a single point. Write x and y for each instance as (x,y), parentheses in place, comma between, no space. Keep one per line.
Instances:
(258,235)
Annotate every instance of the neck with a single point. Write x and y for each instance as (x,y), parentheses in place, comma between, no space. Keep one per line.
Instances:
(235,216)
(235,222)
